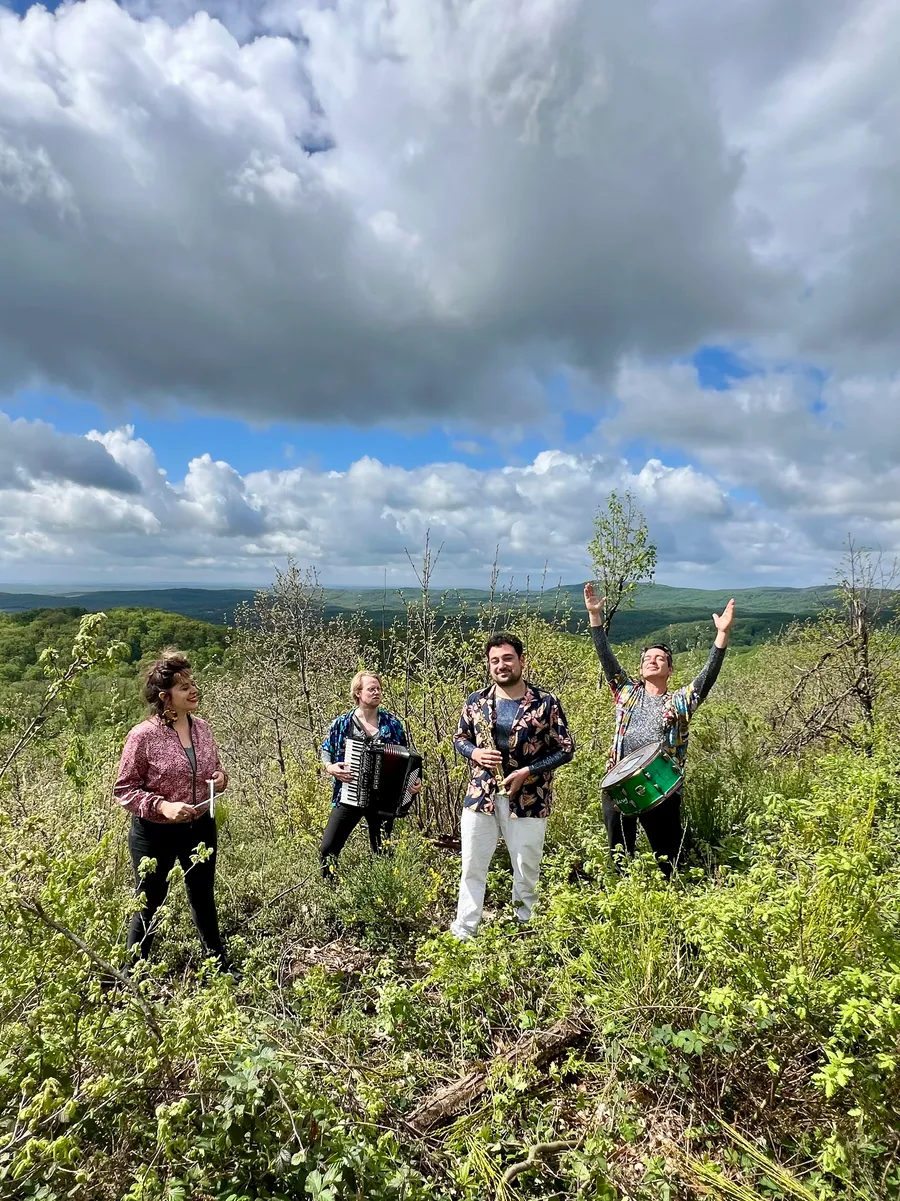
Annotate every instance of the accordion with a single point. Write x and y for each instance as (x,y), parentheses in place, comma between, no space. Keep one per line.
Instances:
(383,777)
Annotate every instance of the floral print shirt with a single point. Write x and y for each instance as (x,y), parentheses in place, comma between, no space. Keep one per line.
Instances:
(539,730)
(154,768)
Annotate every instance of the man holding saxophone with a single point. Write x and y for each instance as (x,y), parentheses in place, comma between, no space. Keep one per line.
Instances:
(515,736)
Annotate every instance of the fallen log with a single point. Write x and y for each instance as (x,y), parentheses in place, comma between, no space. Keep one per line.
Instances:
(535,1050)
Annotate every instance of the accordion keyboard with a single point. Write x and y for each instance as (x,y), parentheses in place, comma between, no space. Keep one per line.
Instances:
(351,792)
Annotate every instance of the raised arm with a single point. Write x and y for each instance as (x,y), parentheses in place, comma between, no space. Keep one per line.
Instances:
(612,668)
(701,686)
(722,622)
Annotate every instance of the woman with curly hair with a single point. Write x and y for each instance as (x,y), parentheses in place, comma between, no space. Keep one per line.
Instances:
(167,766)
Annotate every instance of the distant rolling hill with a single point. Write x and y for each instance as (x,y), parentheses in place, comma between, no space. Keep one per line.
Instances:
(680,615)
(215,605)
(749,600)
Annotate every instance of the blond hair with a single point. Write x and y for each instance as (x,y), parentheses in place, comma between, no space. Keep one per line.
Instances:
(356,683)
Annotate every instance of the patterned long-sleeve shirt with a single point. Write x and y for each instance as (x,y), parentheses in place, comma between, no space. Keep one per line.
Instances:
(390,729)
(642,718)
(504,716)
(154,768)
(538,731)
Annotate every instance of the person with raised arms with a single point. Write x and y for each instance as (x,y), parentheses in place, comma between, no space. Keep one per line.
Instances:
(647,713)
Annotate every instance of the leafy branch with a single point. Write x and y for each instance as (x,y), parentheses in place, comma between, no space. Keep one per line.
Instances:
(87,652)
(621,553)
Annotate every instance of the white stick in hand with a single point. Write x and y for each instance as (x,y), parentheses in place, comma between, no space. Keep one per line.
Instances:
(212,798)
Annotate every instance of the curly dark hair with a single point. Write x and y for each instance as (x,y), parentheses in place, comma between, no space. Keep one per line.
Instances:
(159,677)
(504,640)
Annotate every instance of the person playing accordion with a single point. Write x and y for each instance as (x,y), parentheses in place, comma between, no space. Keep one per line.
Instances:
(366,723)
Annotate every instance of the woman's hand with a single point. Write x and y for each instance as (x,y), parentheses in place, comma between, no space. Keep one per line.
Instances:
(340,771)
(220,780)
(416,788)
(722,622)
(175,811)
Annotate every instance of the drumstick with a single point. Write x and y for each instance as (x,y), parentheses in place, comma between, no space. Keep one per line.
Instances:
(212,798)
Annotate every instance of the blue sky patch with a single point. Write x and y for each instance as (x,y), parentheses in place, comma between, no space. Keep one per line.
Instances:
(718,367)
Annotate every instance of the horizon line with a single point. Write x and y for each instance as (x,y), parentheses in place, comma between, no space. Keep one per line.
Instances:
(65,590)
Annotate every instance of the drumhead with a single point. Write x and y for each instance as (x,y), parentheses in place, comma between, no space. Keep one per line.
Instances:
(632,763)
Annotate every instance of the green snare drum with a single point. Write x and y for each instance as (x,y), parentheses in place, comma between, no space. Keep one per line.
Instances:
(642,779)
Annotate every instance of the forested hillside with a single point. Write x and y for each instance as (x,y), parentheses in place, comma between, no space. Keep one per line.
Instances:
(29,621)
(732,1034)
(24,636)
(215,605)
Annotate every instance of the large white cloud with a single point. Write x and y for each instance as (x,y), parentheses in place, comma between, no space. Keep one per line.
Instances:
(823,459)
(808,93)
(515,191)
(31,451)
(511,185)
(217,525)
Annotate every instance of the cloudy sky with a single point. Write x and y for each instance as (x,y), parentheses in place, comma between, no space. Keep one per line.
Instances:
(310,277)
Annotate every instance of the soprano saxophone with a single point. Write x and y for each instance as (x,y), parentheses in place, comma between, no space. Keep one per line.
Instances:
(485,736)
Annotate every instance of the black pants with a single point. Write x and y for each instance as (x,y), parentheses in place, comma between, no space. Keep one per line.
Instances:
(342,821)
(665,833)
(169,844)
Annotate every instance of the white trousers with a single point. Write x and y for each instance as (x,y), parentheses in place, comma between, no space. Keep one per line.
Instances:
(480,833)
